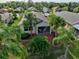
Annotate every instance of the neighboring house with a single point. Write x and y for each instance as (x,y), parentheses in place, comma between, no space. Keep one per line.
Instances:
(45,9)
(18,9)
(71,19)
(3,10)
(32,9)
(6,17)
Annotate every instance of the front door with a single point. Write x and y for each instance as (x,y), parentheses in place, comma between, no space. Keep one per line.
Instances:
(44,30)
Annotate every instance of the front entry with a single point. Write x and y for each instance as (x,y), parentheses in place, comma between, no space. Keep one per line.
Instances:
(44,30)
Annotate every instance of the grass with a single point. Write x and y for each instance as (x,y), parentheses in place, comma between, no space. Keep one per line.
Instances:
(56,52)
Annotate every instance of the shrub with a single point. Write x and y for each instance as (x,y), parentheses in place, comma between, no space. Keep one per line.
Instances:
(39,47)
(25,36)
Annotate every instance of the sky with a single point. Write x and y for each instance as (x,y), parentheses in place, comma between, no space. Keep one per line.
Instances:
(1,1)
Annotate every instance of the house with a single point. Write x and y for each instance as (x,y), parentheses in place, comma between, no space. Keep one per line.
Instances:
(3,10)
(6,17)
(32,9)
(45,9)
(71,18)
(42,27)
(18,8)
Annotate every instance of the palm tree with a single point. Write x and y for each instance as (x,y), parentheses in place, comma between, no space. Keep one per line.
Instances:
(31,21)
(73,50)
(55,21)
(10,46)
(65,37)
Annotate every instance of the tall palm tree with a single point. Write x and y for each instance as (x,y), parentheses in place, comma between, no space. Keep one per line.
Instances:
(10,43)
(65,37)
(32,21)
(55,21)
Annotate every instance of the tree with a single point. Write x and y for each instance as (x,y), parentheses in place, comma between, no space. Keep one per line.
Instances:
(73,50)
(31,21)
(38,6)
(71,6)
(10,44)
(39,47)
(76,9)
(65,37)
(55,21)
(65,9)
(14,17)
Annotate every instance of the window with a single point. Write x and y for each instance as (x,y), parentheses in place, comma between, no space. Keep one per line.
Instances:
(28,29)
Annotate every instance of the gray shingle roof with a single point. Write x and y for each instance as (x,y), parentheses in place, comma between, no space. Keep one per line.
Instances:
(71,18)
(40,16)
